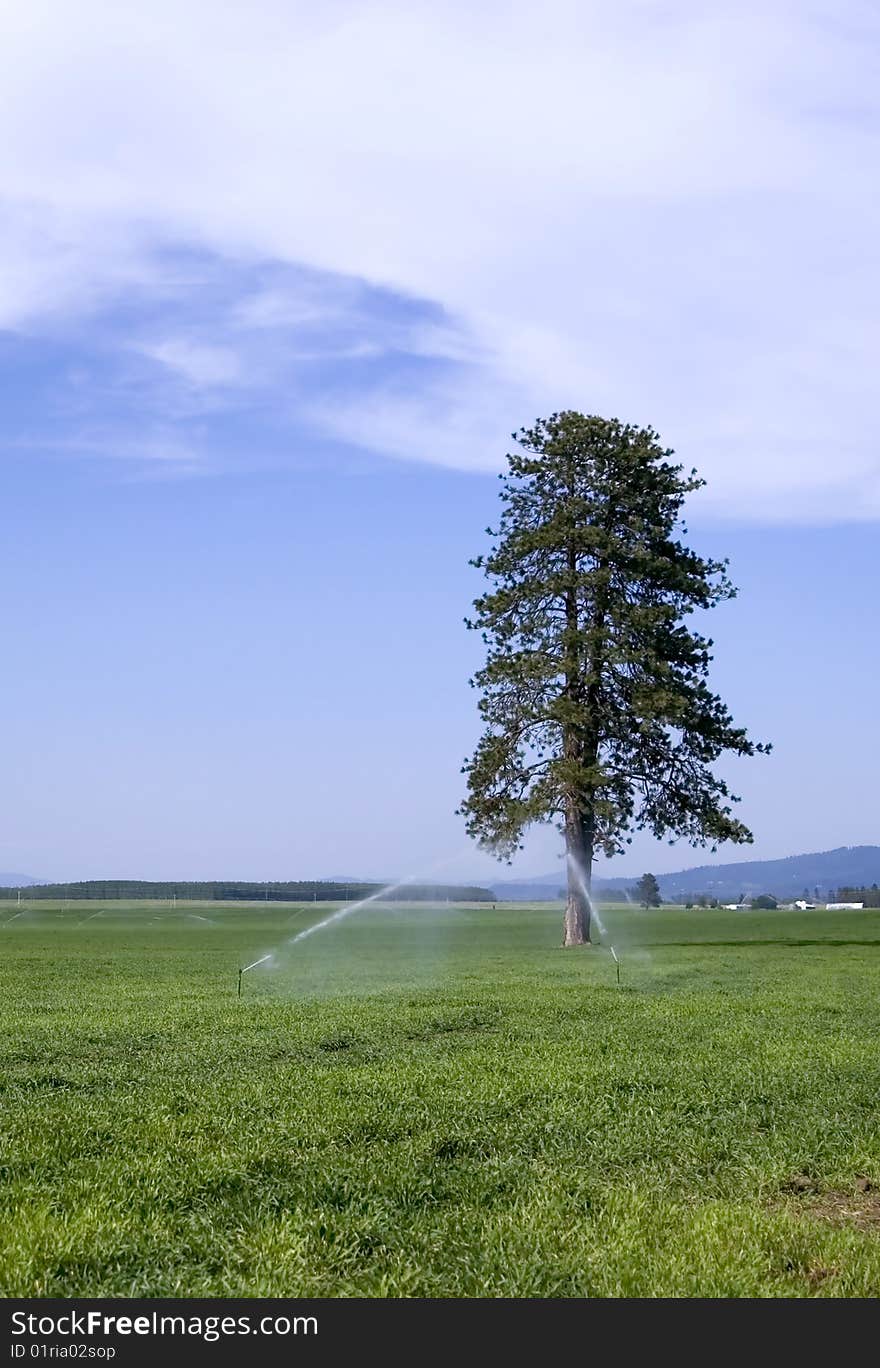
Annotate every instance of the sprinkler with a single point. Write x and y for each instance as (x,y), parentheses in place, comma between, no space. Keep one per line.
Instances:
(617,963)
(261,960)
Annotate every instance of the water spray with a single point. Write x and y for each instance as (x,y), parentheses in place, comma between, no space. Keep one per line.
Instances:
(261,960)
(90,918)
(616,961)
(347,910)
(582,885)
(385,892)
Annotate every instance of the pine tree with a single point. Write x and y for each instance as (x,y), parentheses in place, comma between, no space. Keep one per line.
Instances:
(597,713)
(647,891)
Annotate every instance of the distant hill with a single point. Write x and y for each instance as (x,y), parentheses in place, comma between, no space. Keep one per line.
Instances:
(17,880)
(792,877)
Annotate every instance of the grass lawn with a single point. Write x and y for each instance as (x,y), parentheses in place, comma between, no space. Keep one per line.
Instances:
(438,1102)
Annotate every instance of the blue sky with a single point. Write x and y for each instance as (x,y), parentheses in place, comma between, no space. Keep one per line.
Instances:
(275,288)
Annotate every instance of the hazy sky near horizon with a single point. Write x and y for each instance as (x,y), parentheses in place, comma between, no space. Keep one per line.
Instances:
(278,280)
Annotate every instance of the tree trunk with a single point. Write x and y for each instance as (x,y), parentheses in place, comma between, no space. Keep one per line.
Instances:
(579,852)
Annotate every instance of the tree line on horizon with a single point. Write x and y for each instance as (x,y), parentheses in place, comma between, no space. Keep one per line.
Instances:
(110,890)
(647,894)
(869,896)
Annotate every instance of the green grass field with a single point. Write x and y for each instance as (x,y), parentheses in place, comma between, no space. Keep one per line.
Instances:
(438,1102)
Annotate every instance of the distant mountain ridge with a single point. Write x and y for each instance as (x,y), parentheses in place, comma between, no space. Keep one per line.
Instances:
(791,877)
(17,881)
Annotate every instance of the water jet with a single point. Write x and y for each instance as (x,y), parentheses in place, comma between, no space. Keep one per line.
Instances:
(582,885)
(252,965)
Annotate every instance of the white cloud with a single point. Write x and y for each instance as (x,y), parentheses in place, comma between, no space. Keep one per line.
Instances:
(667,211)
(197,362)
(157,448)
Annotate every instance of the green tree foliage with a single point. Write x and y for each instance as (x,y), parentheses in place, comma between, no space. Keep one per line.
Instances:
(766,901)
(597,713)
(647,891)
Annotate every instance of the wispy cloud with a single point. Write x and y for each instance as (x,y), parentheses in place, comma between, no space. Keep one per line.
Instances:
(422,225)
(156,448)
(199,363)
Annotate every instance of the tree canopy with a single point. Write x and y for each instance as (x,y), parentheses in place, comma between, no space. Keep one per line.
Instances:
(593,693)
(647,891)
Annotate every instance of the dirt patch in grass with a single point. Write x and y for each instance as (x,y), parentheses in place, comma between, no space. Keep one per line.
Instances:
(800,1184)
(817,1274)
(861,1210)
(858,1208)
